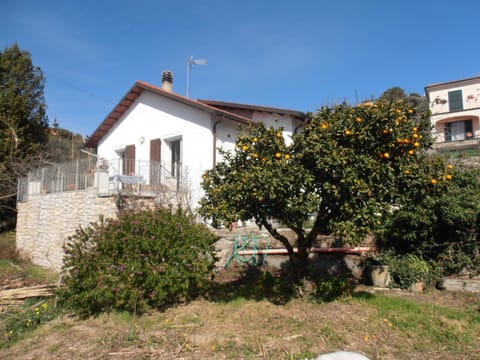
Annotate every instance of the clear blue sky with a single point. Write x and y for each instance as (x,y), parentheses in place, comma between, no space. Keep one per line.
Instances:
(291,54)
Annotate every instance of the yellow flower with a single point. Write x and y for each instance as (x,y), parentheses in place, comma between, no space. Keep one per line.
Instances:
(278,155)
(287,156)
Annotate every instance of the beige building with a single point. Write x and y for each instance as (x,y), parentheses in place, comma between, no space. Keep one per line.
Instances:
(455,113)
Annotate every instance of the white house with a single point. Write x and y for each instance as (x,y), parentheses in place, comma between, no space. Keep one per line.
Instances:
(155,136)
(455,113)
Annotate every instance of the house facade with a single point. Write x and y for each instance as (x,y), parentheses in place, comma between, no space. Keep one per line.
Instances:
(455,114)
(155,137)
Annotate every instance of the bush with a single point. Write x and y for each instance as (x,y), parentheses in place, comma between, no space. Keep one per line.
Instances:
(410,269)
(443,228)
(147,259)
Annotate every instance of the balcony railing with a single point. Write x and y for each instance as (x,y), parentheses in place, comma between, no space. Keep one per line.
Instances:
(138,177)
(471,143)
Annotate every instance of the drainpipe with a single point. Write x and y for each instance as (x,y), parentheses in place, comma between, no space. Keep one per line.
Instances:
(214,131)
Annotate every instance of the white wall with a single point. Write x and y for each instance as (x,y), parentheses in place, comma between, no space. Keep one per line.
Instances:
(152,117)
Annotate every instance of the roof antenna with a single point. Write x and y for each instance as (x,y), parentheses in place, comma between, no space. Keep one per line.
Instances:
(191,61)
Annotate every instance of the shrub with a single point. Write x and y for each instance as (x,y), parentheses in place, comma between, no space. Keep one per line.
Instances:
(147,259)
(410,269)
(442,227)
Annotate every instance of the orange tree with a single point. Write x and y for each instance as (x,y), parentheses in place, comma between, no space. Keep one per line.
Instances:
(346,171)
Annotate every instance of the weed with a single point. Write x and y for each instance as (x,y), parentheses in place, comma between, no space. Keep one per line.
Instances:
(15,324)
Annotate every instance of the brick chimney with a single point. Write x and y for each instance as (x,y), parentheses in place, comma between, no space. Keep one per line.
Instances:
(167,80)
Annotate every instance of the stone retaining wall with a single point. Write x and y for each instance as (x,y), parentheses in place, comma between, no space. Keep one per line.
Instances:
(45,222)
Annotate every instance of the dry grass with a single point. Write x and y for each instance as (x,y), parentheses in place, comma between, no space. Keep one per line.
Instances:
(249,329)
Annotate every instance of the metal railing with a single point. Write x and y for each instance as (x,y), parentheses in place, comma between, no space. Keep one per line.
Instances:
(147,178)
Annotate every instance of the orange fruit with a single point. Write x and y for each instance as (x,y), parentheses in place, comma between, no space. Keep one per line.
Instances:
(415,136)
(245,147)
(411,152)
(416,144)
(433,181)
(324,126)
(414,129)
(279,134)
(278,155)
(450,166)
(287,156)
(359,119)
(386,155)
(410,111)
(385,132)
(255,156)
(448,177)
(255,139)
(347,132)
(407,172)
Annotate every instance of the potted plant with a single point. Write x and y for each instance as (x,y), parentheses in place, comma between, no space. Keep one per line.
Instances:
(380,272)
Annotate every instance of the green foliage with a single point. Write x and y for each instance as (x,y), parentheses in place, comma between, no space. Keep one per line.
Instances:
(443,227)
(147,259)
(14,324)
(23,124)
(346,169)
(333,288)
(410,269)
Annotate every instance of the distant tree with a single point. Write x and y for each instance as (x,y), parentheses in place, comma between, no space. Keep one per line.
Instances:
(414,100)
(393,94)
(23,124)
(344,173)
(55,124)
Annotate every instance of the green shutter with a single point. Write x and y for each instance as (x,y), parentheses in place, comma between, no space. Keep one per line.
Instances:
(455,100)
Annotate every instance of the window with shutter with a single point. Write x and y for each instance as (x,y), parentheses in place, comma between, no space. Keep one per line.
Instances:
(455,100)
(155,157)
(129,166)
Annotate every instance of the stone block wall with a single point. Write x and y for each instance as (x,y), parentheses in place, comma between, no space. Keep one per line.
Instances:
(45,221)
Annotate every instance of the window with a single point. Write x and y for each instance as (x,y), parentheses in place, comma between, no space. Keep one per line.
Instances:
(458,130)
(455,100)
(176,161)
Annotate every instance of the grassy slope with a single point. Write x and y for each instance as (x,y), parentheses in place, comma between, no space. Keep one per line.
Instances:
(381,326)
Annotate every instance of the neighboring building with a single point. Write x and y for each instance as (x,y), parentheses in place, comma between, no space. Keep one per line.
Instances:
(455,113)
(154,134)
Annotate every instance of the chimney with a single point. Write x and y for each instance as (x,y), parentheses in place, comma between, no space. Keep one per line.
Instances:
(167,80)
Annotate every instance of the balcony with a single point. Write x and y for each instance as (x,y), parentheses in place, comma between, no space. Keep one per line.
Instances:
(458,145)
(109,177)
